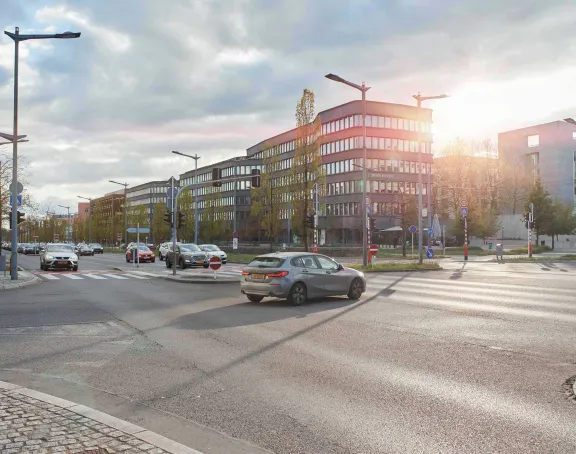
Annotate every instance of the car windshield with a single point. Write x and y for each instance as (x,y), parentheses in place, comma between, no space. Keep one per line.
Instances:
(211,247)
(189,248)
(59,248)
(266,262)
(143,248)
(95,245)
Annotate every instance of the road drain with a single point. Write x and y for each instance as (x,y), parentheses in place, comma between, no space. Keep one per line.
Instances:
(568,387)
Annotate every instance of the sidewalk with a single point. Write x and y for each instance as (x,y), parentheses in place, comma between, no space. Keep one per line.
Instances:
(190,276)
(34,422)
(24,279)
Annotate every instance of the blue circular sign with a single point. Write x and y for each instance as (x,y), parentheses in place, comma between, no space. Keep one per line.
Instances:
(430,253)
(412,229)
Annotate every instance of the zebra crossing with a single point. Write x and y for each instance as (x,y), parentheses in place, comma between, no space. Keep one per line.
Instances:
(553,303)
(92,275)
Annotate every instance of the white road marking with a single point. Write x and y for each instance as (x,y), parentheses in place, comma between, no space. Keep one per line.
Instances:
(94,276)
(134,276)
(72,276)
(114,276)
(50,277)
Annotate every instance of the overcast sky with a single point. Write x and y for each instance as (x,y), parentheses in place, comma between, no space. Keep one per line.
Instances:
(214,77)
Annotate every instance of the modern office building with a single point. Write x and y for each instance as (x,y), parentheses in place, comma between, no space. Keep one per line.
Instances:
(548,152)
(394,137)
(83,210)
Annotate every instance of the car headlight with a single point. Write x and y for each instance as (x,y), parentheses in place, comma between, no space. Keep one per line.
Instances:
(49,257)
(74,257)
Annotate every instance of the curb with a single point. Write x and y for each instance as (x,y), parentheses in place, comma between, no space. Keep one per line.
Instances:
(200,280)
(133,430)
(35,280)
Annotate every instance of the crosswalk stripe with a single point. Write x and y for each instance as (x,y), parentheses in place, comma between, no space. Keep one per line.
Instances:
(115,276)
(94,276)
(135,276)
(72,276)
(50,277)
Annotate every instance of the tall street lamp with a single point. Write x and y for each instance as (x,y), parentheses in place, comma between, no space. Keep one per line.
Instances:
(68,228)
(89,217)
(419,98)
(363,88)
(195,157)
(125,235)
(17,37)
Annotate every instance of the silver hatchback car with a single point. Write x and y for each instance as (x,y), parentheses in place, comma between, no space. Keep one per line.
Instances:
(298,276)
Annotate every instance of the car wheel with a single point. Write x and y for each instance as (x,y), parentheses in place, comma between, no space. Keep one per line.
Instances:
(160,256)
(205,266)
(355,291)
(297,295)
(75,268)
(168,265)
(255,298)
(42,266)
(182,264)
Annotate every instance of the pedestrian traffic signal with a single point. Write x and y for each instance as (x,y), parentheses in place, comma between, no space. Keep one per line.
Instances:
(168,218)
(372,224)
(529,225)
(20,217)
(216,177)
(255,178)
(181,219)
(526,217)
(310,220)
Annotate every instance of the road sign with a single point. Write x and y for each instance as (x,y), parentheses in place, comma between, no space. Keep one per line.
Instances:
(412,229)
(56,237)
(430,231)
(463,204)
(374,249)
(119,236)
(424,212)
(35,236)
(464,211)
(19,187)
(18,198)
(215,263)
(171,192)
(235,235)
(234,243)
(430,253)
(138,230)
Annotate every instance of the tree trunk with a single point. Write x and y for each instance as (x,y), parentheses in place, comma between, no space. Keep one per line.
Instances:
(552,242)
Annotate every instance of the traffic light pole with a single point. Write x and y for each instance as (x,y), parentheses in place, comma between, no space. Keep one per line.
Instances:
(530,224)
(465,237)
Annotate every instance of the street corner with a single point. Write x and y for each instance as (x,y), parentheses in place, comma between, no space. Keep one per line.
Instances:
(39,422)
(25,279)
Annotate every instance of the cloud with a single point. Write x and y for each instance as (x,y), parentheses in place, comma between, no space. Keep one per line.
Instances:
(216,77)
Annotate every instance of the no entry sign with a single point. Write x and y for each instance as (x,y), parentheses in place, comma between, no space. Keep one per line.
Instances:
(215,263)
(373,249)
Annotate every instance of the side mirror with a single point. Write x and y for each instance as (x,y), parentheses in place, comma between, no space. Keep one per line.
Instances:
(340,267)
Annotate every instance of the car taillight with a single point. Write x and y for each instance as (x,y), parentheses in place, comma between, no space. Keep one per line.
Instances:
(278,274)
(245,273)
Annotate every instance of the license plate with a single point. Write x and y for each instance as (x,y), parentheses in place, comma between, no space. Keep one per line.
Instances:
(62,262)
(258,276)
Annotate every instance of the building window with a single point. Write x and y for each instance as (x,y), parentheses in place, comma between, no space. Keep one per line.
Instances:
(533,141)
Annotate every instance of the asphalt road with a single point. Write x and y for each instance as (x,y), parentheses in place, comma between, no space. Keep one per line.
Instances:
(467,360)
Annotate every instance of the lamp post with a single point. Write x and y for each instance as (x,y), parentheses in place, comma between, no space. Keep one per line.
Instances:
(89,217)
(68,229)
(363,88)
(125,234)
(17,37)
(195,157)
(419,98)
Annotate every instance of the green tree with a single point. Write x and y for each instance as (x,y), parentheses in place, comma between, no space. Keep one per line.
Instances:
(137,216)
(186,207)
(307,166)
(543,209)
(561,222)
(213,224)
(160,228)
(267,199)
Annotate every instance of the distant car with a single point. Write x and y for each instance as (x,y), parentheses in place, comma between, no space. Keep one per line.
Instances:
(187,255)
(30,248)
(97,248)
(84,249)
(58,255)
(214,251)
(298,276)
(163,250)
(144,254)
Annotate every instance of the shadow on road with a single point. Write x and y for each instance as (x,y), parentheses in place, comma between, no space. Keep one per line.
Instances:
(244,314)
(458,273)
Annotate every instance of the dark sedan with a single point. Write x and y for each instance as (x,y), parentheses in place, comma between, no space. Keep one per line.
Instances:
(30,248)
(84,249)
(97,248)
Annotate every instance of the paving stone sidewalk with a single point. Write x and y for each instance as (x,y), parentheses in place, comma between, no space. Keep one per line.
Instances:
(31,425)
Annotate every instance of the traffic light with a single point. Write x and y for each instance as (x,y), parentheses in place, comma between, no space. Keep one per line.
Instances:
(181,219)
(372,224)
(255,178)
(20,217)
(310,220)
(168,218)
(216,177)
(526,218)
(529,225)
